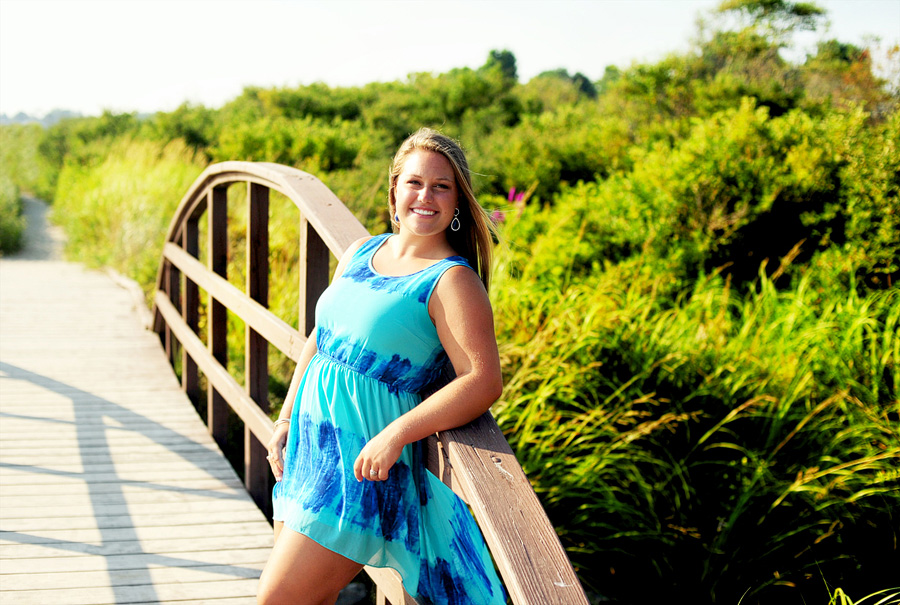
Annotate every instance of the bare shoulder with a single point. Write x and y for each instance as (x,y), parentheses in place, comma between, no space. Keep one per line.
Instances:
(355,246)
(348,254)
(461,287)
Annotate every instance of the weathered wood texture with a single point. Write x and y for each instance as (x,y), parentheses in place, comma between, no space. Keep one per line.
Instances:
(111,489)
(475,461)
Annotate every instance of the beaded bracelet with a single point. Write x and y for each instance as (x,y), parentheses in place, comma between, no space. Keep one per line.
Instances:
(282,421)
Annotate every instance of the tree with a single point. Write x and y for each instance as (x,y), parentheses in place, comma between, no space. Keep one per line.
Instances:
(779,17)
(505,61)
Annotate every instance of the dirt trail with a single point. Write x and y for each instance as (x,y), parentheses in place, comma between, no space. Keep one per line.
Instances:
(43,241)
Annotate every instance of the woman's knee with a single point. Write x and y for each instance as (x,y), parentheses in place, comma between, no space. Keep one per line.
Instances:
(269,594)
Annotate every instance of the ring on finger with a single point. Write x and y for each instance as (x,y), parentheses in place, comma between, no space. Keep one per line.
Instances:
(373,473)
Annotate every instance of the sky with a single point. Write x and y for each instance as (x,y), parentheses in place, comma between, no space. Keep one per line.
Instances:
(153,55)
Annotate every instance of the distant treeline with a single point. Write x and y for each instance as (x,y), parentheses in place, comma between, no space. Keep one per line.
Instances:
(57,115)
(696,296)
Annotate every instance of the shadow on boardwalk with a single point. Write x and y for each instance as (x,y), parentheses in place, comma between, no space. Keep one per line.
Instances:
(111,490)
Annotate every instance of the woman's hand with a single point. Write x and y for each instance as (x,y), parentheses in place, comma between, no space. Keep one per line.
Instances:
(275,447)
(378,456)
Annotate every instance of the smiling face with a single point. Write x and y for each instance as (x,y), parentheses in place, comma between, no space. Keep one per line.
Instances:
(426,193)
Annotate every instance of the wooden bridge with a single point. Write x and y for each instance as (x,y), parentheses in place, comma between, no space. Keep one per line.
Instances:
(112,489)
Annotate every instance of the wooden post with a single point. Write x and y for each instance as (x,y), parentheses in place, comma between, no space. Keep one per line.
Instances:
(217,407)
(190,309)
(256,351)
(173,289)
(314,258)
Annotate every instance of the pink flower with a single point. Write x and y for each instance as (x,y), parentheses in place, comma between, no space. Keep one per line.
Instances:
(497,217)
(515,197)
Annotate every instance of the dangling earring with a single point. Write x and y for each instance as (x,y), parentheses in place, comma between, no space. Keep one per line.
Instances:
(455,225)
(396,218)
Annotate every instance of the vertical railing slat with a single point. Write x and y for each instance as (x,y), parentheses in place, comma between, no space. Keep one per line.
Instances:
(217,406)
(256,352)
(173,289)
(314,260)
(190,309)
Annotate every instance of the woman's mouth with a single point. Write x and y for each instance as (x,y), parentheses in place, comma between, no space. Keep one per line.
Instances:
(423,212)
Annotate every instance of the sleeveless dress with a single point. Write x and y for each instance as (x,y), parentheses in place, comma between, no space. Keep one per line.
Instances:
(377,348)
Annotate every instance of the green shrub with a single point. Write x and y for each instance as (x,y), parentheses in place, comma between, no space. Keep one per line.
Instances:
(116,210)
(724,443)
(12,223)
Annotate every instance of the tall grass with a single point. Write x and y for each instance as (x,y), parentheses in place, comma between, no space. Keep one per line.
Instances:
(708,445)
(116,206)
(12,223)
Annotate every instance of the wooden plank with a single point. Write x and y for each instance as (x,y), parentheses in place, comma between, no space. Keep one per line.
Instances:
(165,511)
(42,505)
(130,520)
(52,579)
(142,593)
(200,486)
(110,542)
(19,558)
(15,477)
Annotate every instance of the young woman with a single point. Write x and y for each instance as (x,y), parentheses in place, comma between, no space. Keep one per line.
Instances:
(352,489)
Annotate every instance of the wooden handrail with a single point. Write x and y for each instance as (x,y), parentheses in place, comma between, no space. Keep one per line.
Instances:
(474,460)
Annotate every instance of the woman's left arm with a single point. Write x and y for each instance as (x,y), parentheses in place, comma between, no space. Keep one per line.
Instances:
(462,315)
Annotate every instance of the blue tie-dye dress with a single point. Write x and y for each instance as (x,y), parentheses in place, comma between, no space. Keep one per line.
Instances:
(377,348)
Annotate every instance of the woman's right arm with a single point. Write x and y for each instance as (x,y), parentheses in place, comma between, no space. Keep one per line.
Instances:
(277,443)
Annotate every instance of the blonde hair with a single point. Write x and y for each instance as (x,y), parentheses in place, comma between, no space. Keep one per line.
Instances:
(474,241)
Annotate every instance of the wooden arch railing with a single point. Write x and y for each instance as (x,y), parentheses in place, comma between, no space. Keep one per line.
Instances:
(474,460)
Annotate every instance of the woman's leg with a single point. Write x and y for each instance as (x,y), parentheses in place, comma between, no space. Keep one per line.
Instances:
(302,571)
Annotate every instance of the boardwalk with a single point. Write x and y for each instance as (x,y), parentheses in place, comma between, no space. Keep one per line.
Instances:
(111,490)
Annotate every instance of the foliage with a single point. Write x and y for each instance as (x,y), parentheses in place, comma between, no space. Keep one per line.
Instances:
(779,16)
(696,294)
(721,443)
(21,159)
(116,210)
(839,597)
(503,60)
(12,223)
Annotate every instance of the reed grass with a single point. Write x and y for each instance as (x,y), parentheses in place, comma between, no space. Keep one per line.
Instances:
(12,222)
(116,206)
(708,444)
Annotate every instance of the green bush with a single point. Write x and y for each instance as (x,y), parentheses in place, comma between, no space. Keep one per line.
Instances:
(116,210)
(12,223)
(720,444)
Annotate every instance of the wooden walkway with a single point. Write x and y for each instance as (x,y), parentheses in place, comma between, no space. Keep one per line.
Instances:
(111,490)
